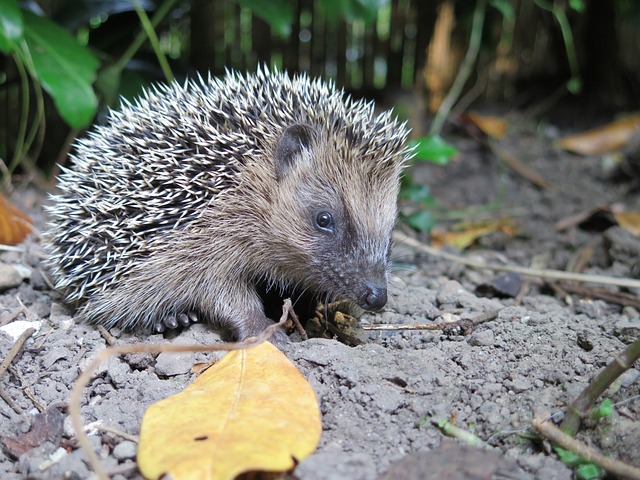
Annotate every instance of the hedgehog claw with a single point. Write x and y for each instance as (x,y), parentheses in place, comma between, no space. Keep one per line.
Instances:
(170,322)
(184,320)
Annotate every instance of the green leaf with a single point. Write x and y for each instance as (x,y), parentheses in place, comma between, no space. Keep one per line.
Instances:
(364,10)
(605,409)
(574,85)
(568,457)
(505,7)
(421,220)
(577,5)
(11,25)
(589,471)
(65,69)
(414,192)
(433,149)
(277,13)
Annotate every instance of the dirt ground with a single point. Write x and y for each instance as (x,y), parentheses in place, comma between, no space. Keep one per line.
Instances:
(378,399)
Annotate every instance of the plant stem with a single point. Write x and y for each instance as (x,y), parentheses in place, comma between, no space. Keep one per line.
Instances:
(142,36)
(598,385)
(24,119)
(567,36)
(465,68)
(153,39)
(557,436)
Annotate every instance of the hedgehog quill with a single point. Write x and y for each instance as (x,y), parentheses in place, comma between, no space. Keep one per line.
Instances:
(187,199)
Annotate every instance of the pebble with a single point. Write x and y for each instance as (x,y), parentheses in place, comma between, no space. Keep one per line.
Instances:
(170,364)
(10,277)
(125,450)
(482,338)
(627,330)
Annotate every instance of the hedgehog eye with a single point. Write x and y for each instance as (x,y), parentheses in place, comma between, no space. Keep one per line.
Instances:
(324,221)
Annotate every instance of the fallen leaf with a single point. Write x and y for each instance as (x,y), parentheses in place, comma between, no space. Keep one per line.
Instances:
(490,125)
(608,138)
(46,426)
(15,225)
(630,221)
(252,411)
(466,234)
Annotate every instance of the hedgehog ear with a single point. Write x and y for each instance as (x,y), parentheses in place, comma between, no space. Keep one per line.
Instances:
(294,140)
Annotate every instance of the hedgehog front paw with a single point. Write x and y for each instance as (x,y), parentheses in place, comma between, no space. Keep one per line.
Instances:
(172,322)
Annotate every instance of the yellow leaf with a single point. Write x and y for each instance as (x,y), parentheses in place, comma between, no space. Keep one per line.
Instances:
(490,125)
(467,234)
(608,138)
(15,225)
(630,221)
(252,411)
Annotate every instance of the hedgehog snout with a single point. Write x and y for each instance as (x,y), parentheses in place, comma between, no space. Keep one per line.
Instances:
(373,297)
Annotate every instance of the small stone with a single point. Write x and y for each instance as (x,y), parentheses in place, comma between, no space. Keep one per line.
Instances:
(482,338)
(169,364)
(125,450)
(519,384)
(450,292)
(118,371)
(10,277)
(584,341)
(627,330)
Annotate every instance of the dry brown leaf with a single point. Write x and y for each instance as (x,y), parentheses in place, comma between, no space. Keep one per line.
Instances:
(608,138)
(630,221)
(251,411)
(490,125)
(15,225)
(466,234)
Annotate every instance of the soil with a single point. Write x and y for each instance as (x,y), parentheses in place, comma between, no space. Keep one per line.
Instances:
(378,399)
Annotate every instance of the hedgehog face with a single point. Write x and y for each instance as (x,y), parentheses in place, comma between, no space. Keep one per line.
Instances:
(341,215)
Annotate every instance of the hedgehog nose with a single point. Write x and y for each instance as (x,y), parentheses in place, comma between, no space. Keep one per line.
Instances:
(373,298)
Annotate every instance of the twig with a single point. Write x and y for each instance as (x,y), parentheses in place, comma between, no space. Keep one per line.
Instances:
(14,314)
(434,326)
(110,339)
(14,406)
(532,272)
(119,433)
(26,388)
(11,248)
(619,298)
(83,379)
(15,349)
(466,436)
(567,442)
(598,385)
(296,322)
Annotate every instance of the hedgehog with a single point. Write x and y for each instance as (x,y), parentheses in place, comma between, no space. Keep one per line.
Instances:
(185,201)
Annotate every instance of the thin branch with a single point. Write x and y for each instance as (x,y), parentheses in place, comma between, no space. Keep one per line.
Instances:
(620,363)
(15,349)
(567,442)
(531,272)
